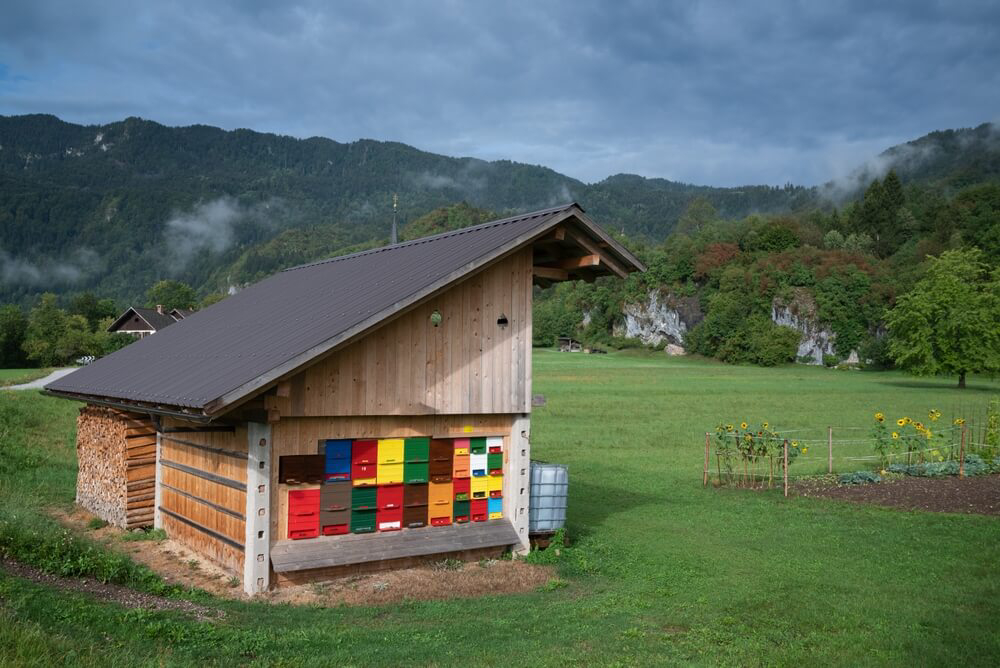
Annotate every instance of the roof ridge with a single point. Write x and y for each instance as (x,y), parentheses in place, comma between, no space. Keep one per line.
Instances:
(442,235)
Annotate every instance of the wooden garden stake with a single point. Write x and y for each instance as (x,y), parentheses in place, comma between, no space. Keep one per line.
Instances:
(961,455)
(829,443)
(705,481)
(786,466)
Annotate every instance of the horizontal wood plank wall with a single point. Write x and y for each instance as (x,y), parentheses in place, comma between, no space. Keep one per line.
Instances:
(467,364)
(202,511)
(301,436)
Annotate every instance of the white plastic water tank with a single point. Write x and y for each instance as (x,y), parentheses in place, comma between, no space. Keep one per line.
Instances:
(549,493)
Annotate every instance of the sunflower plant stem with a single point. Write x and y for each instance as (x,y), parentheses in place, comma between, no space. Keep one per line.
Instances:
(961,451)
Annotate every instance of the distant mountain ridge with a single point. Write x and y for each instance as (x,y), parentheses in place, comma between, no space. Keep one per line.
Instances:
(115,207)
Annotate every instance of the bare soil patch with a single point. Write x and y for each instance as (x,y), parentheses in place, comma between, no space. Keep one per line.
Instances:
(177,564)
(112,593)
(951,494)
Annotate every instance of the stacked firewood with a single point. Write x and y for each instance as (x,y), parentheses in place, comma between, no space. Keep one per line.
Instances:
(116,451)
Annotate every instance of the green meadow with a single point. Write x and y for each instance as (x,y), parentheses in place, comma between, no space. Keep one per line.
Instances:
(661,571)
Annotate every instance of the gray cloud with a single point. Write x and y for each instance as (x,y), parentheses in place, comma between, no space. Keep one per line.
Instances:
(22,271)
(708,92)
(209,226)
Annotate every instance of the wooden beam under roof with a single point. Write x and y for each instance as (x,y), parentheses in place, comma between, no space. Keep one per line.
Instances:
(594,249)
(578,262)
(553,273)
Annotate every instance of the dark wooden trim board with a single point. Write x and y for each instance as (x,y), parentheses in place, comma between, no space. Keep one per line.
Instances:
(235,484)
(235,454)
(213,506)
(205,530)
(327,551)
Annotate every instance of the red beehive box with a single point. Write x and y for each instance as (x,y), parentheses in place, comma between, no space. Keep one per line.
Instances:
(303,513)
(480,510)
(389,519)
(364,452)
(461,488)
(389,497)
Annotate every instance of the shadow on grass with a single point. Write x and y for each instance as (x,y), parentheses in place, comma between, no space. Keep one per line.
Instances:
(591,504)
(940,385)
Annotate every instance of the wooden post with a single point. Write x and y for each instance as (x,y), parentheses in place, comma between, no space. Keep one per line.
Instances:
(704,482)
(157,482)
(961,455)
(257,545)
(829,443)
(786,466)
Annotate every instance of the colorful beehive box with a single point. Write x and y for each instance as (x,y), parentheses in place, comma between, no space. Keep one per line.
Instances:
(390,461)
(439,503)
(478,464)
(363,521)
(337,453)
(479,487)
(460,511)
(479,509)
(335,508)
(462,488)
(495,508)
(389,519)
(494,484)
(364,462)
(303,513)
(415,506)
(442,453)
(461,446)
(416,454)
(494,444)
(477,446)
(460,466)
(494,463)
(364,498)
(301,469)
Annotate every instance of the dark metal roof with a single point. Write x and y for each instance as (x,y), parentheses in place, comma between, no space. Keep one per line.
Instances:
(153,318)
(221,354)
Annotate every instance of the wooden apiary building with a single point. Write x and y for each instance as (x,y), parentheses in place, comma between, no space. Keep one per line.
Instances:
(360,412)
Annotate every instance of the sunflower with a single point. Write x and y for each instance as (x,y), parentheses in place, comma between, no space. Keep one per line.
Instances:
(895,434)
(729,427)
(959,421)
(907,420)
(879,416)
(795,444)
(934,415)
(743,425)
(805,450)
(764,425)
(900,422)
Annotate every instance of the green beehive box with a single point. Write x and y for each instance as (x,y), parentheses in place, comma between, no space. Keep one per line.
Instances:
(461,508)
(416,450)
(477,446)
(494,460)
(363,498)
(362,521)
(414,472)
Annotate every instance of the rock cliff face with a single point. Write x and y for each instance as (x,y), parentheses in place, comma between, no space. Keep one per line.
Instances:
(661,318)
(800,313)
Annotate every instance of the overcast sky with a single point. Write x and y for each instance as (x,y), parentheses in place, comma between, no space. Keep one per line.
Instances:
(706,92)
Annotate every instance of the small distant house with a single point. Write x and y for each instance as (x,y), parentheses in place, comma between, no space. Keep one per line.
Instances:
(180,313)
(141,322)
(568,345)
(358,413)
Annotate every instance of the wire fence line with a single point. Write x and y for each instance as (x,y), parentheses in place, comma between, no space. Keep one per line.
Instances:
(960,436)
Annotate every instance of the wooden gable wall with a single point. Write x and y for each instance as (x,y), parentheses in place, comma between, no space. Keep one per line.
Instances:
(468,364)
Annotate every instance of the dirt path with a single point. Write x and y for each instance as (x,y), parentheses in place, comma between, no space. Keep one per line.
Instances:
(111,593)
(950,494)
(42,382)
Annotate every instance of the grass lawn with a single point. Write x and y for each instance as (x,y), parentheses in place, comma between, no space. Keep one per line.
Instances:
(662,571)
(18,376)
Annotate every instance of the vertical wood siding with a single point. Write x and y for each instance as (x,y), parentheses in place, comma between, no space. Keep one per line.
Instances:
(467,364)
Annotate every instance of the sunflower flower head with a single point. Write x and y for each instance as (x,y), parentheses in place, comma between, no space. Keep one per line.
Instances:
(959,421)
(805,450)
(895,434)
(743,425)
(901,422)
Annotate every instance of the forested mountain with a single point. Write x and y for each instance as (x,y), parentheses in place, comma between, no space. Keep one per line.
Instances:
(114,208)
